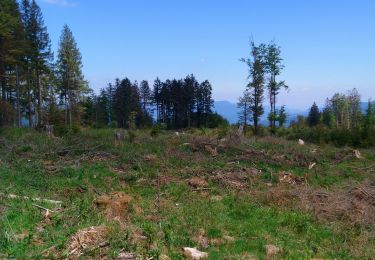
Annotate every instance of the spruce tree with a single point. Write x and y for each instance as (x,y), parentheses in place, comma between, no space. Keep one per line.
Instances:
(11,52)
(39,56)
(369,124)
(189,88)
(244,106)
(281,117)
(204,102)
(314,115)
(71,81)
(145,93)
(157,99)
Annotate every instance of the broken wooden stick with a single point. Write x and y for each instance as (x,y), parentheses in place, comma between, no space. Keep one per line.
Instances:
(43,208)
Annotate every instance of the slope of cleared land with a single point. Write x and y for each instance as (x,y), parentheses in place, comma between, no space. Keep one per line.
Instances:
(147,196)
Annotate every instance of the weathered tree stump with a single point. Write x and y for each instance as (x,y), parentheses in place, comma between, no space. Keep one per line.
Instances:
(49,130)
(118,137)
(240,130)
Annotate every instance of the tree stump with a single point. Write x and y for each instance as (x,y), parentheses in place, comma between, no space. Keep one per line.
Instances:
(117,136)
(240,130)
(49,130)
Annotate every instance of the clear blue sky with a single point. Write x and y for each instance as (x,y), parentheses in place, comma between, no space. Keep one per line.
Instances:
(328,46)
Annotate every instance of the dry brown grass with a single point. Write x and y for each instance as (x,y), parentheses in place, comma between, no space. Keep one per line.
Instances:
(114,205)
(350,205)
(86,239)
(354,205)
(238,178)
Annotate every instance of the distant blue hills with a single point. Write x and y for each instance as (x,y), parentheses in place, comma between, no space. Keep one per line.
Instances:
(230,111)
(364,106)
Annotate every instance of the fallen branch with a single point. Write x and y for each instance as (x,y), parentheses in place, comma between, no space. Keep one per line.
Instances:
(13,196)
(364,168)
(66,151)
(199,189)
(87,250)
(40,207)
(321,194)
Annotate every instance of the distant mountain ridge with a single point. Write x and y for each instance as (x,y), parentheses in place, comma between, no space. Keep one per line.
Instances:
(230,111)
(364,106)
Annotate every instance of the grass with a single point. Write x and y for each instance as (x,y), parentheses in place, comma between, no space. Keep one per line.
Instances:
(77,168)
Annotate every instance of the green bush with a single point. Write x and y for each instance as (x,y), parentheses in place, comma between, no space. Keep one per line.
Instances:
(157,129)
(356,137)
(216,120)
(223,131)
(113,124)
(131,135)
(60,130)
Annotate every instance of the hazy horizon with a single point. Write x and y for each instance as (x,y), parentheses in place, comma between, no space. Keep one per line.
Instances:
(327,47)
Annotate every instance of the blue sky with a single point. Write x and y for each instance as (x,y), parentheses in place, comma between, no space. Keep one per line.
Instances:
(328,46)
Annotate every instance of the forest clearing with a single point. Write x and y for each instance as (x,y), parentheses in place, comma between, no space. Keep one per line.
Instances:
(157,130)
(148,196)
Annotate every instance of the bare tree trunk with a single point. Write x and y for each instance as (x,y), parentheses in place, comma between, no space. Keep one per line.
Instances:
(272,114)
(274,110)
(245,115)
(2,82)
(18,98)
(39,107)
(188,118)
(66,111)
(3,91)
(70,114)
(29,107)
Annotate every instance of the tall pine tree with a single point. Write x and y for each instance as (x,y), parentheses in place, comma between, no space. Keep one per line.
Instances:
(71,81)
(314,115)
(11,51)
(39,58)
(244,106)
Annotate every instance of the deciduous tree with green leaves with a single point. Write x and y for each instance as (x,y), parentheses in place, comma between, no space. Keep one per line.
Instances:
(255,87)
(273,67)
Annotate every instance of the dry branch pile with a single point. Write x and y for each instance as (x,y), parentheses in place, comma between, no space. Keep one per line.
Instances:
(87,239)
(355,205)
(289,178)
(236,178)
